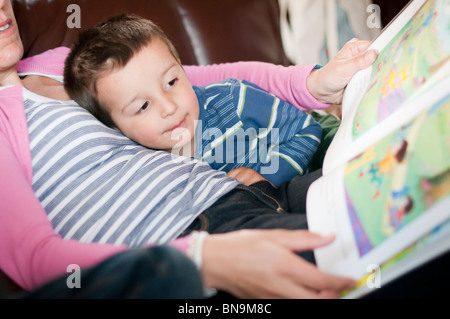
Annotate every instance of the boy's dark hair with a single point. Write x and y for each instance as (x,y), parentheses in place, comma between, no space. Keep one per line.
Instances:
(103,48)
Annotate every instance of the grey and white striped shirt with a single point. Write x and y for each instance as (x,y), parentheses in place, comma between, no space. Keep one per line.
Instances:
(98,186)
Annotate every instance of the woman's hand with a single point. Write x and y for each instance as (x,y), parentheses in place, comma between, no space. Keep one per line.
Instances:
(327,84)
(262,264)
(246,175)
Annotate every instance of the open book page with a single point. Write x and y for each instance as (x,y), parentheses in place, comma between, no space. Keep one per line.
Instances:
(414,55)
(429,247)
(388,197)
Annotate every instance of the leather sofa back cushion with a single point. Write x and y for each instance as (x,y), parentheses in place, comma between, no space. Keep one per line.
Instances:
(204,31)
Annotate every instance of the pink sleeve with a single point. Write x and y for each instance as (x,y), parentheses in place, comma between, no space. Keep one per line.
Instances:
(288,83)
(31,252)
(50,62)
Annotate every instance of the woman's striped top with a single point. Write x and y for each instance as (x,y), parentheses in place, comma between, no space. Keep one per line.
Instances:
(96,185)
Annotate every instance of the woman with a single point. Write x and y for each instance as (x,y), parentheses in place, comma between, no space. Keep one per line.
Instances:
(32,253)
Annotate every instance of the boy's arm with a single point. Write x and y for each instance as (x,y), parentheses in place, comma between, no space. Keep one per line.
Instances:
(293,139)
(294,155)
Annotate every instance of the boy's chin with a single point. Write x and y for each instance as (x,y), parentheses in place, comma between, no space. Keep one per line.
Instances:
(180,136)
(183,143)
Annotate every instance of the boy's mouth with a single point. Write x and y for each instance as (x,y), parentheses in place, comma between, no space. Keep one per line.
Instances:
(179,130)
(180,125)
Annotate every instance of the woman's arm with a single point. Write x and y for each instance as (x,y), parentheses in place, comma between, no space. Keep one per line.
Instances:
(288,83)
(263,264)
(31,252)
(300,85)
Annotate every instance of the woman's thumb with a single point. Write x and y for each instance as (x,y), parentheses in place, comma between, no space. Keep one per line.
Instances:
(365,60)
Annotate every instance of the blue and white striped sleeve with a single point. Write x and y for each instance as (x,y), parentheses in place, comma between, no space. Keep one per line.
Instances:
(286,139)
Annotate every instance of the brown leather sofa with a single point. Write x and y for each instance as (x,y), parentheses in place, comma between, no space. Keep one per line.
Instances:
(204,31)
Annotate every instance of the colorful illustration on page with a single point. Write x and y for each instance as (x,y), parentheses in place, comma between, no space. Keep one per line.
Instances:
(404,68)
(400,177)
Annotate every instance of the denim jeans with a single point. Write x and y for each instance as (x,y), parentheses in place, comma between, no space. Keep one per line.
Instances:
(160,272)
(259,206)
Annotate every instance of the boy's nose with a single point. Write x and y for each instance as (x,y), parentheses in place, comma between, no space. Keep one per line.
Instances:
(168,108)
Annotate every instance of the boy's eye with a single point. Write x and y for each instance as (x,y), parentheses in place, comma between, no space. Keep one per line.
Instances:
(172,83)
(144,107)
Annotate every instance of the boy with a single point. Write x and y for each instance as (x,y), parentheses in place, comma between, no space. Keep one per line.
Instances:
(128,74)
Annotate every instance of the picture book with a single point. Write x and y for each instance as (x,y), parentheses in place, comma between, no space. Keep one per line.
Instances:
(385,189)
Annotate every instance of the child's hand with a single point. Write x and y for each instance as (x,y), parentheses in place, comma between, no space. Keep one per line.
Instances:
(245,175)
(327,84)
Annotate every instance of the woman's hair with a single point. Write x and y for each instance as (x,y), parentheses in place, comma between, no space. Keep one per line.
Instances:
(103,48)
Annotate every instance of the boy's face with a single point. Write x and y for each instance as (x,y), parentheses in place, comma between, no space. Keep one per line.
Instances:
(151,100)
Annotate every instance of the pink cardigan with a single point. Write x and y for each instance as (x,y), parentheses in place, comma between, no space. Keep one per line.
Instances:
(31,253)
